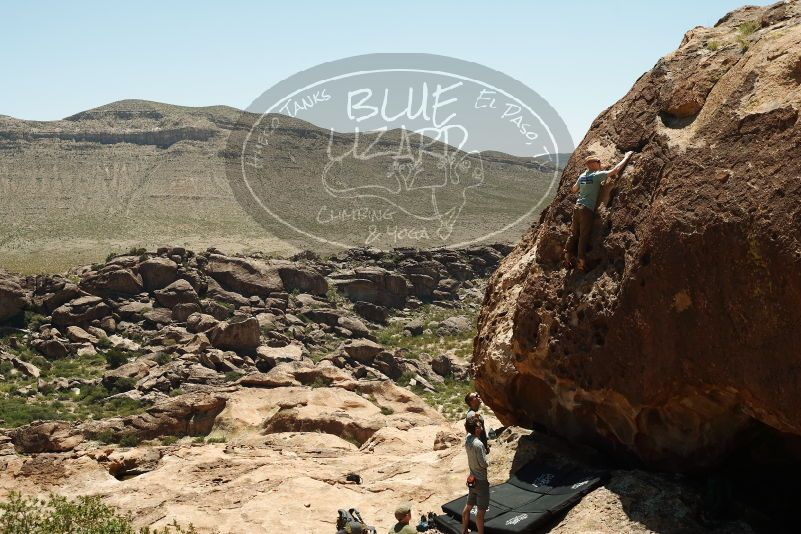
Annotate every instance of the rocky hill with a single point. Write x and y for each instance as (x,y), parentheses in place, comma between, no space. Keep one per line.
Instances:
(144,174)
(677,348)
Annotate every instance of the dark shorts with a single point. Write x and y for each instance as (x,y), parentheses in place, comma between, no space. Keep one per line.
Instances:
(479,495)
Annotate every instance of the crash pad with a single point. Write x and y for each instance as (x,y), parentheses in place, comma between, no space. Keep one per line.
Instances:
(530,499)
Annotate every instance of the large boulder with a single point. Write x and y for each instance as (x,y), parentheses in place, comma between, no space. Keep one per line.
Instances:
(50,300)
(239,335)
(26,368)
(158,272)
(200,322)
(447,365)
(454,326)
(53,348)
(191,414)
(134,311)
(362,350)
(269,357)
(243,275)
(76,334)
(46,436)
(680,338)
(80,311)
(130,372)
(252,276)
(299,277)
(337,318)
(178,292)
(12,297)
(113,280)
(371,312)
(374,285)
(342,424)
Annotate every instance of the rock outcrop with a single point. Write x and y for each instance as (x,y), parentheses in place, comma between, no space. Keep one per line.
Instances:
(680,337)
(12,296)
(192,414)
(46,436)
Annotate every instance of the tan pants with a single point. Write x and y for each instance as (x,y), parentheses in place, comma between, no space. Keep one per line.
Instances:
(579,231)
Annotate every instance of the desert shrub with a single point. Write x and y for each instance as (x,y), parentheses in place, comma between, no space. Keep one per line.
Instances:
(320,382)
(17,412)
(90,402)
(122,384)
(86,366)
(748,27)
(107,436)
(21,515)
(130,440)
(405,378)
(233,376)
(58,515)
(38,360)
(745,29)
(217,437)
(33,320)
(334,296)
(116,357)
(92,393)
(25,353)
(117,407)
(226,305)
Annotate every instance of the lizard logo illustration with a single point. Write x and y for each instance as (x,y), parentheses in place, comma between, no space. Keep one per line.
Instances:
(424,177)
(373,151)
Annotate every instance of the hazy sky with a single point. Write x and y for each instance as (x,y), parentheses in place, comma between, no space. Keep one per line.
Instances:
(60,58)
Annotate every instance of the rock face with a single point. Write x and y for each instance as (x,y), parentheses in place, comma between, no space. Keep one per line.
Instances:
(680,336)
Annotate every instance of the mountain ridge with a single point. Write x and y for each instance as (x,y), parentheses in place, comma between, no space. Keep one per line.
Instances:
(138,173)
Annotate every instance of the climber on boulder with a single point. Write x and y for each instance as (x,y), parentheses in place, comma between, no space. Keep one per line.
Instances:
(588,186)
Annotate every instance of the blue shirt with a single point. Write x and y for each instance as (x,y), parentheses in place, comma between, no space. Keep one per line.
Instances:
(589,184)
